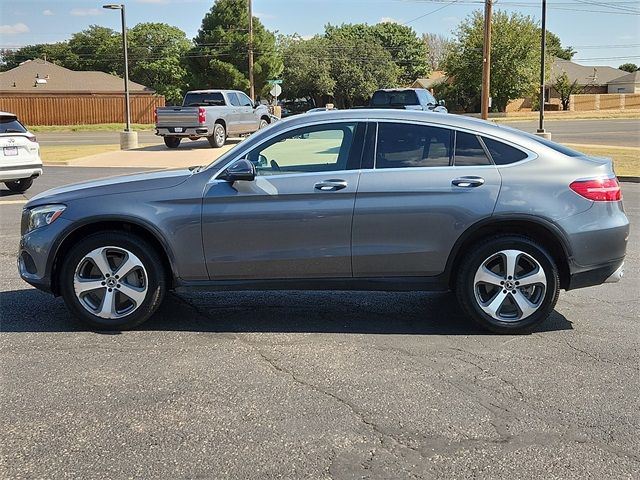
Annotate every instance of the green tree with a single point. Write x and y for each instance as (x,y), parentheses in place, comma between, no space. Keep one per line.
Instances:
(566,88)
(307,68)
(220,57)
(629,67)
(98,48)
(58,53)
(407,50)
(156,52)
(555,48)
(515,55)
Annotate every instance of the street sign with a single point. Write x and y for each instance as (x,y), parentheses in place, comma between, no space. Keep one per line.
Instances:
(275,82)
(276,90)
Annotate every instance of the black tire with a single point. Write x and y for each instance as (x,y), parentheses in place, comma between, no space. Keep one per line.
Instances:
(264,123)
(19,186)
(219,137)
(172,142)
(490,252)
(153,268)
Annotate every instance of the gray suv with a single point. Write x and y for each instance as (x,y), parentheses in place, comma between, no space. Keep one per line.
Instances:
(353,199)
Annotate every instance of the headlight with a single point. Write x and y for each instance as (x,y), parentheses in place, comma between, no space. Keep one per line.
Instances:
(44,215)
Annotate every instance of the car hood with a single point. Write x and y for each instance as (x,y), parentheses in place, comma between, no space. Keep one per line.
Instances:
(112,186)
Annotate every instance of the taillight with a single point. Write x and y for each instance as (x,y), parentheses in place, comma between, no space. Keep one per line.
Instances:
(202,115)
(598,189)
(32,138)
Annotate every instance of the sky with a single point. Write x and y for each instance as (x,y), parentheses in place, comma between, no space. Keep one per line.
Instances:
(603,33)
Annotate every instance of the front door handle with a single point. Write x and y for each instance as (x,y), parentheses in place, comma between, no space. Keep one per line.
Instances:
(467,182)
(331,185)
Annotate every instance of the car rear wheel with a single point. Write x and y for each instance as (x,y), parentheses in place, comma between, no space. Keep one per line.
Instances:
(112,280)
(219,136)
(508,284)
(20,186)
(172,142)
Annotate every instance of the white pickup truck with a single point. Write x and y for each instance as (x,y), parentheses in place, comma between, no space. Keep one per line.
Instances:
(214,114)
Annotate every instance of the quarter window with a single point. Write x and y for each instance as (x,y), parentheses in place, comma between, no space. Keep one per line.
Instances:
(503,154)
(322,148)
(403,145)
(469,151)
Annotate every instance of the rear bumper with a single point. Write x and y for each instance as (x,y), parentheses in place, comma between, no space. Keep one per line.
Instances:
(200,131)
(17,172)
(609,273)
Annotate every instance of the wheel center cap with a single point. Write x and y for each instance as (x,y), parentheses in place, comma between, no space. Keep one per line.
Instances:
(509,285)
(111,282)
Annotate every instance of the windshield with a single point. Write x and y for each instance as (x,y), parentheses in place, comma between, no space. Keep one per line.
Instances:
(398,97)
(11,125)
(203,99)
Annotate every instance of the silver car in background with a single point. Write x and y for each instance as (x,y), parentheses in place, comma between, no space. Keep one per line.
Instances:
(352,199)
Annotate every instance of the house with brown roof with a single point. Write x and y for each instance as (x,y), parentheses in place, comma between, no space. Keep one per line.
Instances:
(43,93)
(629,83)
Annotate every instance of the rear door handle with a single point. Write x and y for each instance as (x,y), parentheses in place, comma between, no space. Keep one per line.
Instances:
(467,182)
(331,185)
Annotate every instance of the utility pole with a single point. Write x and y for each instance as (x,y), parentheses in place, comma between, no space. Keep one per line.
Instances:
(486,61)
(543,45)
(251,85)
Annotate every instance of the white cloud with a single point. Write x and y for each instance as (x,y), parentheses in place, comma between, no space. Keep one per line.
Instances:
(86,12)
(13,29)
(388,20)
(47,13)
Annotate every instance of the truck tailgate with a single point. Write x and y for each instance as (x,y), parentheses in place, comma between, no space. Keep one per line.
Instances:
(177,117)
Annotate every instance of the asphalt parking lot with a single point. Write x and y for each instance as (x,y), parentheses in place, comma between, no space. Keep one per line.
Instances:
(315,384)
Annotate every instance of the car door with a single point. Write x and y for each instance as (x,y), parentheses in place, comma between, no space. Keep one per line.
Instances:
(427,185)
(250,122)
(234,117)
(294,219)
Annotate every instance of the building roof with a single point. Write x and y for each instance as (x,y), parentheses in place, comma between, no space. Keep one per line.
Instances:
(633,77)
(40,76)
(585,75)
(436,77)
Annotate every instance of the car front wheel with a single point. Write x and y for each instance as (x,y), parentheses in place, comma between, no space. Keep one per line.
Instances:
(112,280)
(508,284)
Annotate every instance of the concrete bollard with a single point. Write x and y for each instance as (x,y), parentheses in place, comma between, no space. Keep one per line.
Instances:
(546,135)
(128,140)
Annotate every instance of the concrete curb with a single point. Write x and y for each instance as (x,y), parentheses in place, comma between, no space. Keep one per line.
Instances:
(627,179)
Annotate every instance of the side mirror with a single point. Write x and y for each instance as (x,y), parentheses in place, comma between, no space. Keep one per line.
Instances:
(243,169)
(442,103)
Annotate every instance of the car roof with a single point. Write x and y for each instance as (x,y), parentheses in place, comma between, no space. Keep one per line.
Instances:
(7,114)
(213,90)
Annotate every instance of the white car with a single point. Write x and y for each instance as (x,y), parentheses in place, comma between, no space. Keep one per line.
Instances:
(20,159)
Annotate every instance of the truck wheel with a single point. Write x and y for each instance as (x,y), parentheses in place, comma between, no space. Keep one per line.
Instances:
(219,136)
(19,185)
(172,142)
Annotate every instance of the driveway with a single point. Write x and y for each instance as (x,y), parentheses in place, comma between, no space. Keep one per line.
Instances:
(316,384)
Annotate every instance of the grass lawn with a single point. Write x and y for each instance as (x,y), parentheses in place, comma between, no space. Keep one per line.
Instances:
(626,160)
(100,127)
(61,153)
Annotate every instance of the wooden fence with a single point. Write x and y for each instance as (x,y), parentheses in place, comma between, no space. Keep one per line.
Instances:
(605,101)
(70,109)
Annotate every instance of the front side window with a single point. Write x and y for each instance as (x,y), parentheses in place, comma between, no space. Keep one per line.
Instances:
(319,148)
(402,145)
(469,151)
(244,100)
(233,99)
(426,98)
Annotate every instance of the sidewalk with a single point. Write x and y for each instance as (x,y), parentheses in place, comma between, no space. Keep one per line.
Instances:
(154,156)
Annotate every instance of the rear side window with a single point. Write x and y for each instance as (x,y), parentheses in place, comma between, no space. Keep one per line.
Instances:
(403,145)
(469,151)
(11,125)
(503,154)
